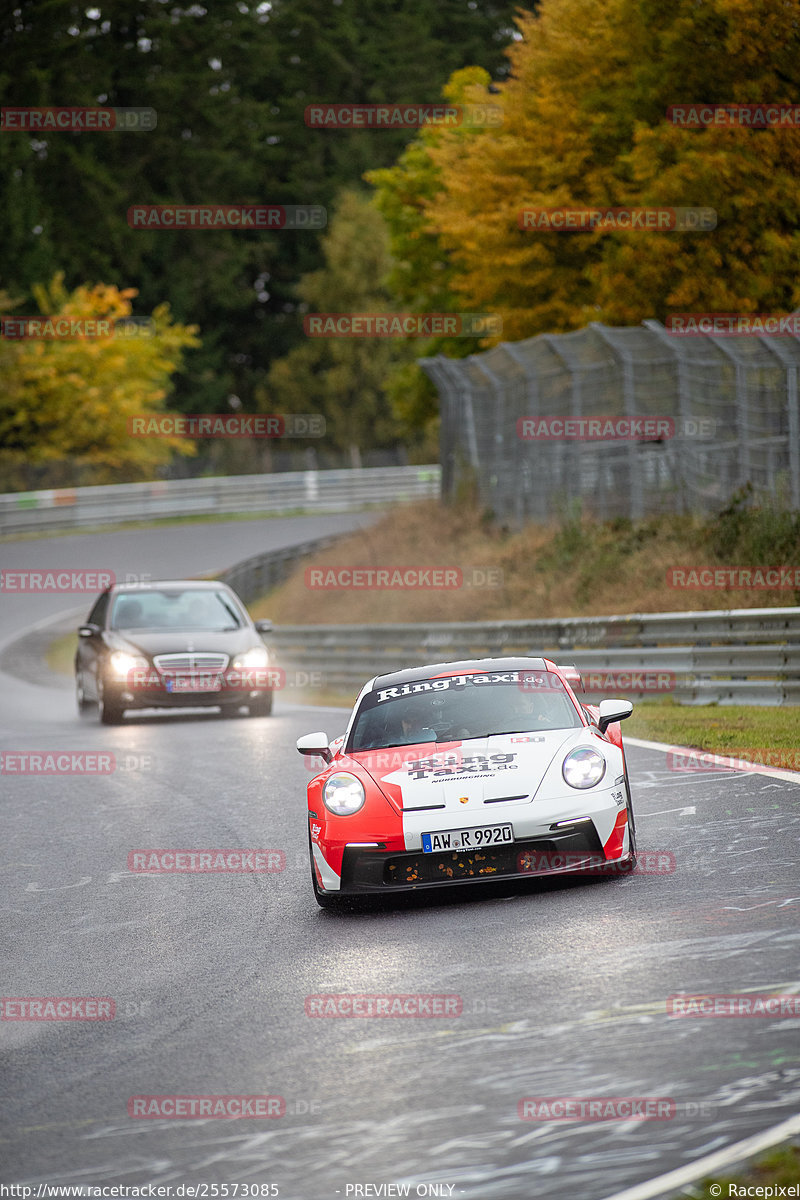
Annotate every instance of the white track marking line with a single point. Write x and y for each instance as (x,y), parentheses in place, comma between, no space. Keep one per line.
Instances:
(725,764)
(720,1160)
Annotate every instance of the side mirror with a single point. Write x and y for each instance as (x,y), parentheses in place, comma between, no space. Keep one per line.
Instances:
(88,630)
(315,743)
(611,711)
(264,626)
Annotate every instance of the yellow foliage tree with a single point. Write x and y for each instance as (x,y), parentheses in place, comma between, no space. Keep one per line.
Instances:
(585,126)
(71,399)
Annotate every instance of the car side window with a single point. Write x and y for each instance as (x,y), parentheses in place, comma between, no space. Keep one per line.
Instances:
(98,614)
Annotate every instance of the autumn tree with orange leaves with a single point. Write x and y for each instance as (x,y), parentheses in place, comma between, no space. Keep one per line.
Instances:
(585,124)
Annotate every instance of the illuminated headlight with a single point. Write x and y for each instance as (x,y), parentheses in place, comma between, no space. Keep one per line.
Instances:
(343,794)
(122,664)
(257,657)
(583,768)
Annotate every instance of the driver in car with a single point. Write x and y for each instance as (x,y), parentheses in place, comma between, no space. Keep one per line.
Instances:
(533,708)
(410,728)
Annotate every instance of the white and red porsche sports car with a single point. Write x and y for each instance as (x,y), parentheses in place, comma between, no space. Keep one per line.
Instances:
(458,772)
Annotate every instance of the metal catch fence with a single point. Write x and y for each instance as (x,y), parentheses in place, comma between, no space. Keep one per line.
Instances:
(730,404)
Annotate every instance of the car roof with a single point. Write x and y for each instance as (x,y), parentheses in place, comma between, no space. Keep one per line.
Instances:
(160,584)
(467,666)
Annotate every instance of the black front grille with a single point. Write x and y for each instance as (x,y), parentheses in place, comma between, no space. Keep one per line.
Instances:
(371,871)
(408,869)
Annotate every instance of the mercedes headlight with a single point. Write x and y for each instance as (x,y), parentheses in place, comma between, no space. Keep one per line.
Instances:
(583,768)
(251,659)
(122,664)
(343,794)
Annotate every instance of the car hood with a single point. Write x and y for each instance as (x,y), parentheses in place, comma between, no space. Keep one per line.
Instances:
(505,768)
(180,641)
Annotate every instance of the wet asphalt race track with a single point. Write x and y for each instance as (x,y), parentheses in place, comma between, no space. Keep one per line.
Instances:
(563,984)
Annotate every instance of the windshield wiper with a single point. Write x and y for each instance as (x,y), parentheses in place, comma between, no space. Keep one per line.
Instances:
(498,733)
(230,612)
(391,746)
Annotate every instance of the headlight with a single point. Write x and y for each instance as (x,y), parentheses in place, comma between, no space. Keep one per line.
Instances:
(343,794)
(583,768)
(122,664)
(257,657)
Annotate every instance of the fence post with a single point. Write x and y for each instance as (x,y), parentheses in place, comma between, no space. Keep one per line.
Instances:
(789,365)
(526,481)
(622,355)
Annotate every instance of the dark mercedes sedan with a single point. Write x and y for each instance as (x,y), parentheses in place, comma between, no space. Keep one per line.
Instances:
(172,644)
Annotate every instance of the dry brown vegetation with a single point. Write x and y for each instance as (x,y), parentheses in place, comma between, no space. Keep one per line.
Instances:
(578,569)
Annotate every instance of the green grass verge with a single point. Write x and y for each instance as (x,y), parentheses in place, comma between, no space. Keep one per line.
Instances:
(779,1168)
(60,656)
(189,519)
(731,729)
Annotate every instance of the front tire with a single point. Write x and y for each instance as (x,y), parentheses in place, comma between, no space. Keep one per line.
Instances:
(109,707)
(261,707)
(84,706)
(631,825)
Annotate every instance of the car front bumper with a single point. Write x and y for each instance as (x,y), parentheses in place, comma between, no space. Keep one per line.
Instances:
(159,697)
(374,869)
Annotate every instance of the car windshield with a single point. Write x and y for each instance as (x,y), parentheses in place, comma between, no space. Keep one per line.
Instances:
(461,707)
(175,608)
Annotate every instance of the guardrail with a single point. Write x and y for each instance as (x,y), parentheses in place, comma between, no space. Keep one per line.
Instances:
(291,491)
(254,576)
(736,656)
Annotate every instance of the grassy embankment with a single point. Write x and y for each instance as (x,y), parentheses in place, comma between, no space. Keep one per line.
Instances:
(576,569)
(779,1168)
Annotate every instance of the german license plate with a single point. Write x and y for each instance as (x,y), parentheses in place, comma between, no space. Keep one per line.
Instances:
(467,839)
(193,683)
